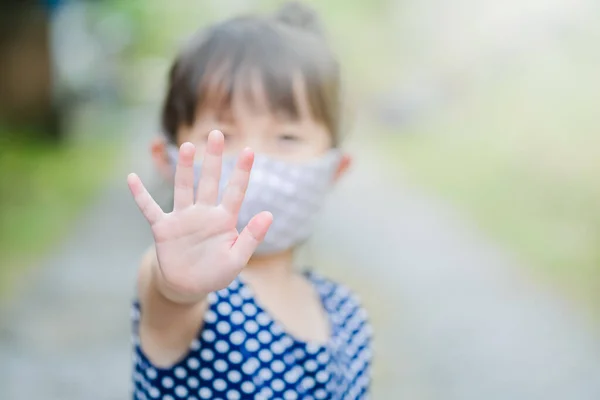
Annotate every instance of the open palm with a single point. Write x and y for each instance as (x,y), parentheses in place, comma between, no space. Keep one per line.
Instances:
(198,247)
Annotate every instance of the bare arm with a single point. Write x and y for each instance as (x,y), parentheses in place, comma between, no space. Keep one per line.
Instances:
(166,327)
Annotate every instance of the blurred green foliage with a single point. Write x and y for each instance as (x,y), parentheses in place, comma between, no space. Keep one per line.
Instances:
(42,187)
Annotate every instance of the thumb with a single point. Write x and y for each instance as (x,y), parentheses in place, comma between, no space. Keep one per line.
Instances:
(251,236)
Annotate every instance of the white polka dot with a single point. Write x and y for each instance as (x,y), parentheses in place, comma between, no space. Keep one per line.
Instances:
(224,308)
(205,393)
(277,385)
(168,397)
(252,345)
(312,348)
(223,292)
(207,355)
(145,384)
(308,383)
(193,382)
(236,300)
(263,319)
(167,382)
(193,363)
(210,316)
(234,376)
(251,326)
(233,395)
(235,357)
(212,298)
(265,374)
(320,394)
(310,365)
(249,309)
(180,372)
(276,329)
(266,393)
(299,353)
(292,375)
(290,395)
(248,387)
(265,355)
(277,366)
(286,341)
(322,376)
(209,335)
(221,346)
(151,373)
(220,365)
(154,393)
(237,317)
(181,391)
(323,357)
(237,337)
(223,327)
(289,358)
(206,374)
(195,344)
(250,366)
(219,384)
(277,348)
(265,337)
(244,291)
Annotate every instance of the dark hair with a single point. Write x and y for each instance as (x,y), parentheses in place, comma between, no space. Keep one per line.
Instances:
(220,61)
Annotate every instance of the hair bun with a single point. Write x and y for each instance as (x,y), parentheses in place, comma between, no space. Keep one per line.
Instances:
(300,16)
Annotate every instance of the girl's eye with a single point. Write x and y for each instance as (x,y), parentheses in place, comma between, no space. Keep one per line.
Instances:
(227,136)
(286,137)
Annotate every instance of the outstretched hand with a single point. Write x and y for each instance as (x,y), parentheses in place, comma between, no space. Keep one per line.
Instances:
(198,247)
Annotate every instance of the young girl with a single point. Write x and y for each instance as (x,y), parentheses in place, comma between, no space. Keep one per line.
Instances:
(222,312)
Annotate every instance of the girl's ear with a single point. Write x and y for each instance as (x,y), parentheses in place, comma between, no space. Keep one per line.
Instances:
(160,158)
(345,164)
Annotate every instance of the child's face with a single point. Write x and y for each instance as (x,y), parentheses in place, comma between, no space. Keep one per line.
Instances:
(252,124)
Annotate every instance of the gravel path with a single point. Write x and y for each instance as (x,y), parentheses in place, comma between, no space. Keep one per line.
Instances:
(454,315)
(67,335)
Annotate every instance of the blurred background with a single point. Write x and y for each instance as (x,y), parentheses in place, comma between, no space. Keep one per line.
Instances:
(470,224)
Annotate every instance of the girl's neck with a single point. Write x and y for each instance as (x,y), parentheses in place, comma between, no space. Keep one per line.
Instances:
(272,267)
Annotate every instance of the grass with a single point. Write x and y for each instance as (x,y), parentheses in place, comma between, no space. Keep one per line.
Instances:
(522,156)
(42,188)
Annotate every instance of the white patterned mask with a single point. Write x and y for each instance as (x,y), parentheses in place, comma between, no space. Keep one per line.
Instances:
(292,192)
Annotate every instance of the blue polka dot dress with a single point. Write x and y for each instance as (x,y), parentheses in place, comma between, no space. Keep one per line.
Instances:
(242,353)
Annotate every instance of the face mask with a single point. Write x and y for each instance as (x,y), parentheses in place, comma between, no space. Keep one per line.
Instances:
(292,192)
